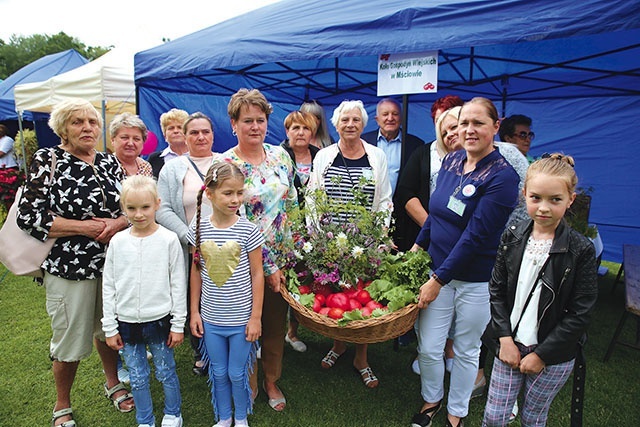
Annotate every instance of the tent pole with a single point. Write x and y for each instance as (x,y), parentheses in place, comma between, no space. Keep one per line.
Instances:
(104,125)
(405,114)
(23,165)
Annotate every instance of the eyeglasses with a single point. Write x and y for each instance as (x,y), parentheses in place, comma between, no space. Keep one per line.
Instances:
(525,135)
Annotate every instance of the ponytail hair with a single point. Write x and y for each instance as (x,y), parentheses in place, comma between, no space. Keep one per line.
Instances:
(556,164)
(219,172)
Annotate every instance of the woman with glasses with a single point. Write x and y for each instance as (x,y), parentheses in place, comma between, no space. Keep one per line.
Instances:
(516,129)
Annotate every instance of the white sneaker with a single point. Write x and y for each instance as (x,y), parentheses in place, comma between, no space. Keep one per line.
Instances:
(241,423)
(146,425)
(172,421)
(298,345)
(415,367)
(514,413)
(123,375)
(223,423)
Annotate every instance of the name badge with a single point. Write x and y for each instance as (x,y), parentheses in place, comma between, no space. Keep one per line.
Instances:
(469,190)
(456,206)
(367,174)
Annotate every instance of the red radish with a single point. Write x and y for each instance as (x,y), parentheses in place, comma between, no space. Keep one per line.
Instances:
(354,304)
(350,291)
(366,312)
(373,305)
(363,296)
(338,300)
(319,288)
(360,284)
(304,289)
(335,313)
(316,305)
(321,299)
(324,311)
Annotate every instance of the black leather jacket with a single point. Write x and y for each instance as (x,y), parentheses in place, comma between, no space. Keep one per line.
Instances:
(569,291)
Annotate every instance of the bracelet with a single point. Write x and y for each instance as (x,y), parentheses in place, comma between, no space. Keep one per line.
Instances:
(435,277)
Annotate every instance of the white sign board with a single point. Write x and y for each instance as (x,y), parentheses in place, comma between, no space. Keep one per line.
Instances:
(408,73)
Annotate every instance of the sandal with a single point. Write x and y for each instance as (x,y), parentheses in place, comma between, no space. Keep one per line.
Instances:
(330,359)
(61,413)
(117,401)
(424,418)
(274,403)
(368,377)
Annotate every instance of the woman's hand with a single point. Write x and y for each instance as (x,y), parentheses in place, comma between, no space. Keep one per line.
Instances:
(174,339)
(111,227)
(196,325)
(531,364)
(275,280)
(115,342)
(253,329)
(428,292)
(509,353)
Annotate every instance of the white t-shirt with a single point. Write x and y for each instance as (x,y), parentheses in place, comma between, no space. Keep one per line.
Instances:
(6,146)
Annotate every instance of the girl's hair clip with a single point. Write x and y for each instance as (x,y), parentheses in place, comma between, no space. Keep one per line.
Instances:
(204,187)
(214,175)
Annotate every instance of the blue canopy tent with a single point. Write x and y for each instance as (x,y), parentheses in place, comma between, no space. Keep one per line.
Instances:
(574,68)
(39,70)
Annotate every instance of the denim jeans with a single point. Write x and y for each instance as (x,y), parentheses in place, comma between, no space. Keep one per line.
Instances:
(230,356)
(135,356)
(468,302)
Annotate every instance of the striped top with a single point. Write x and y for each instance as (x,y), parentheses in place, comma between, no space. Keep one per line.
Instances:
(343,176)
(230,303)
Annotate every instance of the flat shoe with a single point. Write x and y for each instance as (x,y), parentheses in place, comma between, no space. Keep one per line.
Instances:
(424,418)
(460,423)
(368,378)
(330,359)
(273,403)
(297,345)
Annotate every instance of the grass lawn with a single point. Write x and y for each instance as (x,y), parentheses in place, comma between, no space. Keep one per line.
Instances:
(335,398)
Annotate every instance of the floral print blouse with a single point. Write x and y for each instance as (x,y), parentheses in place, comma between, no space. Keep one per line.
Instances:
(79,191)
(268,194)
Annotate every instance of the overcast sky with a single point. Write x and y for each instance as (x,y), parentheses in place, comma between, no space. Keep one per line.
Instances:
(137,24)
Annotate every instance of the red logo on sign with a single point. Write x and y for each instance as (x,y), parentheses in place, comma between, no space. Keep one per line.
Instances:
(428,86)
(385,57)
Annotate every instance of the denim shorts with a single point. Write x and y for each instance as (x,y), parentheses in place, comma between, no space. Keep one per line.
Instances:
(154,332)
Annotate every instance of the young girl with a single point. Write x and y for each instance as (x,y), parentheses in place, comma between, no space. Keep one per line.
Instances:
(227,289)
(543,288)
(145,299)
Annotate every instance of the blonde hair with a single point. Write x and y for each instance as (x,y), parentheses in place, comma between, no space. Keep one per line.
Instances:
(63,111)
(219,172)
(138,183)
(322,131)
(245,97)
(306,119)
(440,144)
(173,115)
(556,164)
(127,120)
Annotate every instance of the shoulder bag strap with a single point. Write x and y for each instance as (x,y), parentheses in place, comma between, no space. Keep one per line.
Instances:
(196,168)
(526,303)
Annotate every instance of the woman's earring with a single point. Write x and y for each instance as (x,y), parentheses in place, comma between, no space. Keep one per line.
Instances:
(233,132)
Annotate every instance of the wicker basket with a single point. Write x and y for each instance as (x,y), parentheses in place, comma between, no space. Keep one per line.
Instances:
(367,331)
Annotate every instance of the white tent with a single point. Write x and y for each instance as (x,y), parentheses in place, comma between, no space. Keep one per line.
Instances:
(107,82)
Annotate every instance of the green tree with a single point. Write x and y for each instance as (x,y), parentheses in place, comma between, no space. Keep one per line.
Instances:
(22,50)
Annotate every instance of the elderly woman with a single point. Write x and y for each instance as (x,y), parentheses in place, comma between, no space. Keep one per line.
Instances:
(128,133)
(269,193)
(80,208)
(178,185)
(337,169)
(321,137)
(171,123)
(476,191)
(300,127)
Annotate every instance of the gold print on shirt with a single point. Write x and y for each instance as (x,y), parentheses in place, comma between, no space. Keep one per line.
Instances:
(221,261)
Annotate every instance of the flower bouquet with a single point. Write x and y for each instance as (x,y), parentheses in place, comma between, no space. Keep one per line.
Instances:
(344,281)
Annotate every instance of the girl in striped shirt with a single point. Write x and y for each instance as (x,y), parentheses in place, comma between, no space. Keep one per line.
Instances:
(227,288)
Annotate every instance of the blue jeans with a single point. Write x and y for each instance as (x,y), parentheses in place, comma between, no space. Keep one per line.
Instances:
(468,303)
(230,356)
(135,356)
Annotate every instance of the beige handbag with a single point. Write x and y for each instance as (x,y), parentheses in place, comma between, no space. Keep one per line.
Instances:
(21,253)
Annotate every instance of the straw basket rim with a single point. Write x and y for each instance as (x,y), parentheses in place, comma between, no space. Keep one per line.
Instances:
(368,331)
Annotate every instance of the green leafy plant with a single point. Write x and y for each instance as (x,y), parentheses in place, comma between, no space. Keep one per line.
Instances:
(578,215)
(30,146)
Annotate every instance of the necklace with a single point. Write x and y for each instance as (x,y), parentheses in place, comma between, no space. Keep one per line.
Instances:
(462,181)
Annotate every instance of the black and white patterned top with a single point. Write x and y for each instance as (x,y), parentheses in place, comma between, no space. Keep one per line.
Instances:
(79,191)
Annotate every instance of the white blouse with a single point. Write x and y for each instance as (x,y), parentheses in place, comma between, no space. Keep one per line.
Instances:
(535,255)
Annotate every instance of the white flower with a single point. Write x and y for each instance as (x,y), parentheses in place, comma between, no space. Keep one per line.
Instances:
(307,247)
(341,239)
(297,254)
(357,251)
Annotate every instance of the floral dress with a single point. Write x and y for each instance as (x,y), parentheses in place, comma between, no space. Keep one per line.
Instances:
(79,191)
(269,193)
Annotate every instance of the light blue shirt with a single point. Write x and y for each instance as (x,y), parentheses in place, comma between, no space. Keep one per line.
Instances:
(393,150)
